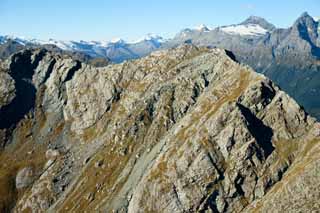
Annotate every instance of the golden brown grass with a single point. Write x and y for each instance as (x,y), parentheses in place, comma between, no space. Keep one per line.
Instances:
(13,161)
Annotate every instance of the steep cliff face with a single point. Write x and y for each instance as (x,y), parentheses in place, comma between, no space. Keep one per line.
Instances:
(181,130)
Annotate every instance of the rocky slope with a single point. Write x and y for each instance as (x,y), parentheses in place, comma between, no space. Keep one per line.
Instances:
(181,130)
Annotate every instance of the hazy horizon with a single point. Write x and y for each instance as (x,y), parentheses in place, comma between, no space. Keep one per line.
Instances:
(95,20)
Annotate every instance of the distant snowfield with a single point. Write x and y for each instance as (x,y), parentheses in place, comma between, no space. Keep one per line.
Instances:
(81,45)
(65,45)
(148,37)
(203,28)
(317,19)
(91,46)
(245,30)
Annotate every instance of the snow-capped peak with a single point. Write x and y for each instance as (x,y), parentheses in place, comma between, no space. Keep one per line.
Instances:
(245,30)
(202,28)
(21,40)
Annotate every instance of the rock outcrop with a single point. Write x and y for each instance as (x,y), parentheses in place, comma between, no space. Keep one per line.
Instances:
(7,89)
(181,130)
(25,178)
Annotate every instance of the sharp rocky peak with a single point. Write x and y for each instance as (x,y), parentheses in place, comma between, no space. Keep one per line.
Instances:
(307,28)
(305,19)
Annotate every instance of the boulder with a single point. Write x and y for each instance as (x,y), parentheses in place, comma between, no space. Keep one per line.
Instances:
(25,177)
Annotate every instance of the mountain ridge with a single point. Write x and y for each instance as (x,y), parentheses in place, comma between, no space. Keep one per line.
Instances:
(183,129)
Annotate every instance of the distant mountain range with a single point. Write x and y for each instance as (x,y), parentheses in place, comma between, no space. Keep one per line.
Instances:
(117,49)
(247,34)
(290,57)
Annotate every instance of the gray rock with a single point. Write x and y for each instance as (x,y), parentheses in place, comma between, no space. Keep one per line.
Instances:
(52,154)
(25,177)
(90,94)
(7,89)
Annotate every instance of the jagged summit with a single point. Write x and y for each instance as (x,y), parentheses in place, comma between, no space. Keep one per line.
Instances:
(305,18)
(305,14)
(307,29)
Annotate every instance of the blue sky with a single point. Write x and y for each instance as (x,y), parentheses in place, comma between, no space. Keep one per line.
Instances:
(107,19)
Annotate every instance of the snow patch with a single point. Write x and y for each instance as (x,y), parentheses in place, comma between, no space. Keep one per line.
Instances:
(117,40)
(245,30)
(203,28)
(20,40)
(149,37)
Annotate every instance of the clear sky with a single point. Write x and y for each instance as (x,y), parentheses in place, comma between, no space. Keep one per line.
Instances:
(107,19)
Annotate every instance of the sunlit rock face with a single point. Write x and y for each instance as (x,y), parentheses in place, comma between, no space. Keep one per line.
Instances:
(182,130)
